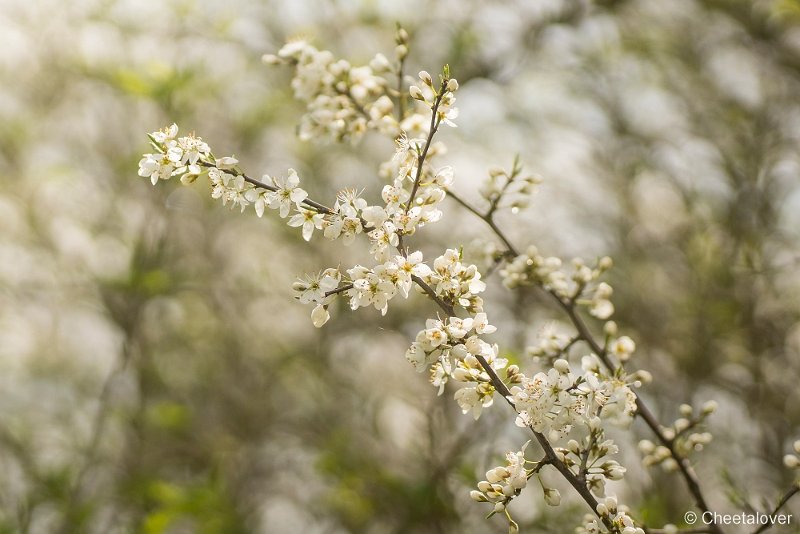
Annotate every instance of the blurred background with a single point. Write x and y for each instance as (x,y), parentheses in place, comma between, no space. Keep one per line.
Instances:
(156,375)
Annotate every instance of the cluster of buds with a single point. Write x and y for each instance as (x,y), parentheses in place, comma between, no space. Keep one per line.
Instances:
(441,98)
(343,101)
(508,189)
(611,515)
(589,458)
(792,461)
(580,286)
(682,436)
(505,482)
(551,344)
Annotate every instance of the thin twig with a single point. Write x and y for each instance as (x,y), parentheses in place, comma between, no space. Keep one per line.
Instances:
(434,126)
(794,490)
(316,206)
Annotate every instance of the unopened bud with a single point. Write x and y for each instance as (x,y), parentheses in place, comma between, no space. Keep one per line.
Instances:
(416,93)
(426,78)
(561,365)
(402,36)
(610,328)
(477,496)
(552,497)
(401,51)
(710,407)
(270,59)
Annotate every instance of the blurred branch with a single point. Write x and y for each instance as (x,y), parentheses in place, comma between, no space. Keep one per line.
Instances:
(794,490)
(98,429)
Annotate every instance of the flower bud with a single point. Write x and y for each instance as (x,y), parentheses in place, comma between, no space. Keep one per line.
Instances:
(670,465)
(402,36)
(644,376)
(710,407)
(401,51)
(552,496)
(610,328)
(791,461)
(681,424)
(379,63)
(270,59)
(477,496)
(561,365)
(452,85)
(416,93)
(646,446)
(426,78)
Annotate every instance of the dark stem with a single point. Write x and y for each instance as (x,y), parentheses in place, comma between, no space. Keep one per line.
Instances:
(794,490)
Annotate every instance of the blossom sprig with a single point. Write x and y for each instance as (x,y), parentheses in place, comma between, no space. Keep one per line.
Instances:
(683,437)
(611,514)
(551,344)
(508,189)
(174,156)
(589,457)
(505,482)
(343,101)
(554,402)
(580,286)
(450,348)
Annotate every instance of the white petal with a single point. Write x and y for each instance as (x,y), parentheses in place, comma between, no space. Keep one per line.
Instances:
(320,316)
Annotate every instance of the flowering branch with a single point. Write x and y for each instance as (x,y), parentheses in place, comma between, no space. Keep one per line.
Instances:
(568,306)
(344,102)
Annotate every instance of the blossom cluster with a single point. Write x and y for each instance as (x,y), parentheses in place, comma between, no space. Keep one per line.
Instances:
(682,435)
(590,455)
(451,348)
(553,402)
(503,483)
(343,101)
(175,156)
(611,514)
(580,285)
(508,189)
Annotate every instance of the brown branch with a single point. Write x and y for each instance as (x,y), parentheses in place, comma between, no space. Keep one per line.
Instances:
(340,289)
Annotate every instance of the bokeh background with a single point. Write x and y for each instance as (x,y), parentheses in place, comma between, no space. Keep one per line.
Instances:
(156,375)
